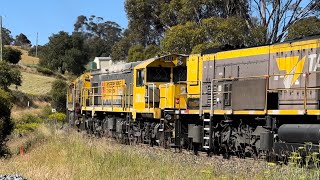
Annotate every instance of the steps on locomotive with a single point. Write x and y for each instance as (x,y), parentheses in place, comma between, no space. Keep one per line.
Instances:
(207,140)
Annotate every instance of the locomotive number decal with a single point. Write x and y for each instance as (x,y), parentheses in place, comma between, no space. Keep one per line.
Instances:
(113,90)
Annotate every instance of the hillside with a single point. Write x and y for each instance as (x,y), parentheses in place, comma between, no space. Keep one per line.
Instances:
(35,84)
(32,82)
(25,58)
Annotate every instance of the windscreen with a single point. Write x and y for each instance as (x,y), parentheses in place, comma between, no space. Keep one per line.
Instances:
(158,74)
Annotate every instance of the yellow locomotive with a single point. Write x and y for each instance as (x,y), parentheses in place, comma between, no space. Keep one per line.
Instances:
(241,102)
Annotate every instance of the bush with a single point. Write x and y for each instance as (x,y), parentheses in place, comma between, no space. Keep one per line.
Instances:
(29,118)
(59,117)
(46,112)
(9,76)
(58,93)
(27,123)
(6,125)
(26,128)
(45,71)
(11,55)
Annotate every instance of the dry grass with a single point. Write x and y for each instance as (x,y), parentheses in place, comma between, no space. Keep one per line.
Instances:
(71,155)
(75,156)
(18,112)
(25,58)
(35,84)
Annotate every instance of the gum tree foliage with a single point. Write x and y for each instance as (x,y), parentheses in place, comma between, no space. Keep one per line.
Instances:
(11,55)
(58,94)
(151,51)
(9,76)
(139,53)
(6,125)
(262,22)
(100,35)
(65,52)
(212,32)
(149,20)
(276,16)
(304,27)
(136,53)
(182,38)
(121,48)
(7,39)
(22,40)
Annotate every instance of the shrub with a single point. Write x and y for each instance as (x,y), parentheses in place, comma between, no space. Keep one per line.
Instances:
(46,112)
(29,118)
(26,127)
(6,125)
(11,55)
(45,71)
(59,117)
(58,93)
(27,123)
(9,76)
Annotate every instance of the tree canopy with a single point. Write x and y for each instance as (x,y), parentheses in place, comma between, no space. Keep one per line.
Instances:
(276,16)
(7,38)
(9,76)
(189,26)
(136,53)
(22,40)
(304,27)
(65,52)
(100,35)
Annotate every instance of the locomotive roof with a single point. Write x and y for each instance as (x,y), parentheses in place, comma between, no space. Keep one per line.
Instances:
(120,67)
(145,63)
(228,47)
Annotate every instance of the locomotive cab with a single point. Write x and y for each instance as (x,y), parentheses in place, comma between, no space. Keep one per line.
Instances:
(158,84)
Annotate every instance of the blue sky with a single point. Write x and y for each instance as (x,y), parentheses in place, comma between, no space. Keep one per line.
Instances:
(48,17)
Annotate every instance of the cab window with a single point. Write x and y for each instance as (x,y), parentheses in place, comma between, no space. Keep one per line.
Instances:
(158,74)
(140,77)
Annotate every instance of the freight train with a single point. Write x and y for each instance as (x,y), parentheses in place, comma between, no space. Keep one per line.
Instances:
(245,102)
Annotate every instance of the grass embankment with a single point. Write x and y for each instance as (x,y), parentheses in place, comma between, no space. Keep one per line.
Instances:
(25,58)
(35,84)
(60,154)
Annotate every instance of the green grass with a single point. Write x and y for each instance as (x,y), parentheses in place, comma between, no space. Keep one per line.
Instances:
(59,154)
(35,84)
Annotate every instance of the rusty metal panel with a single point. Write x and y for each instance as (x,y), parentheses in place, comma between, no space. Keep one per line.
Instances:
(249,94)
